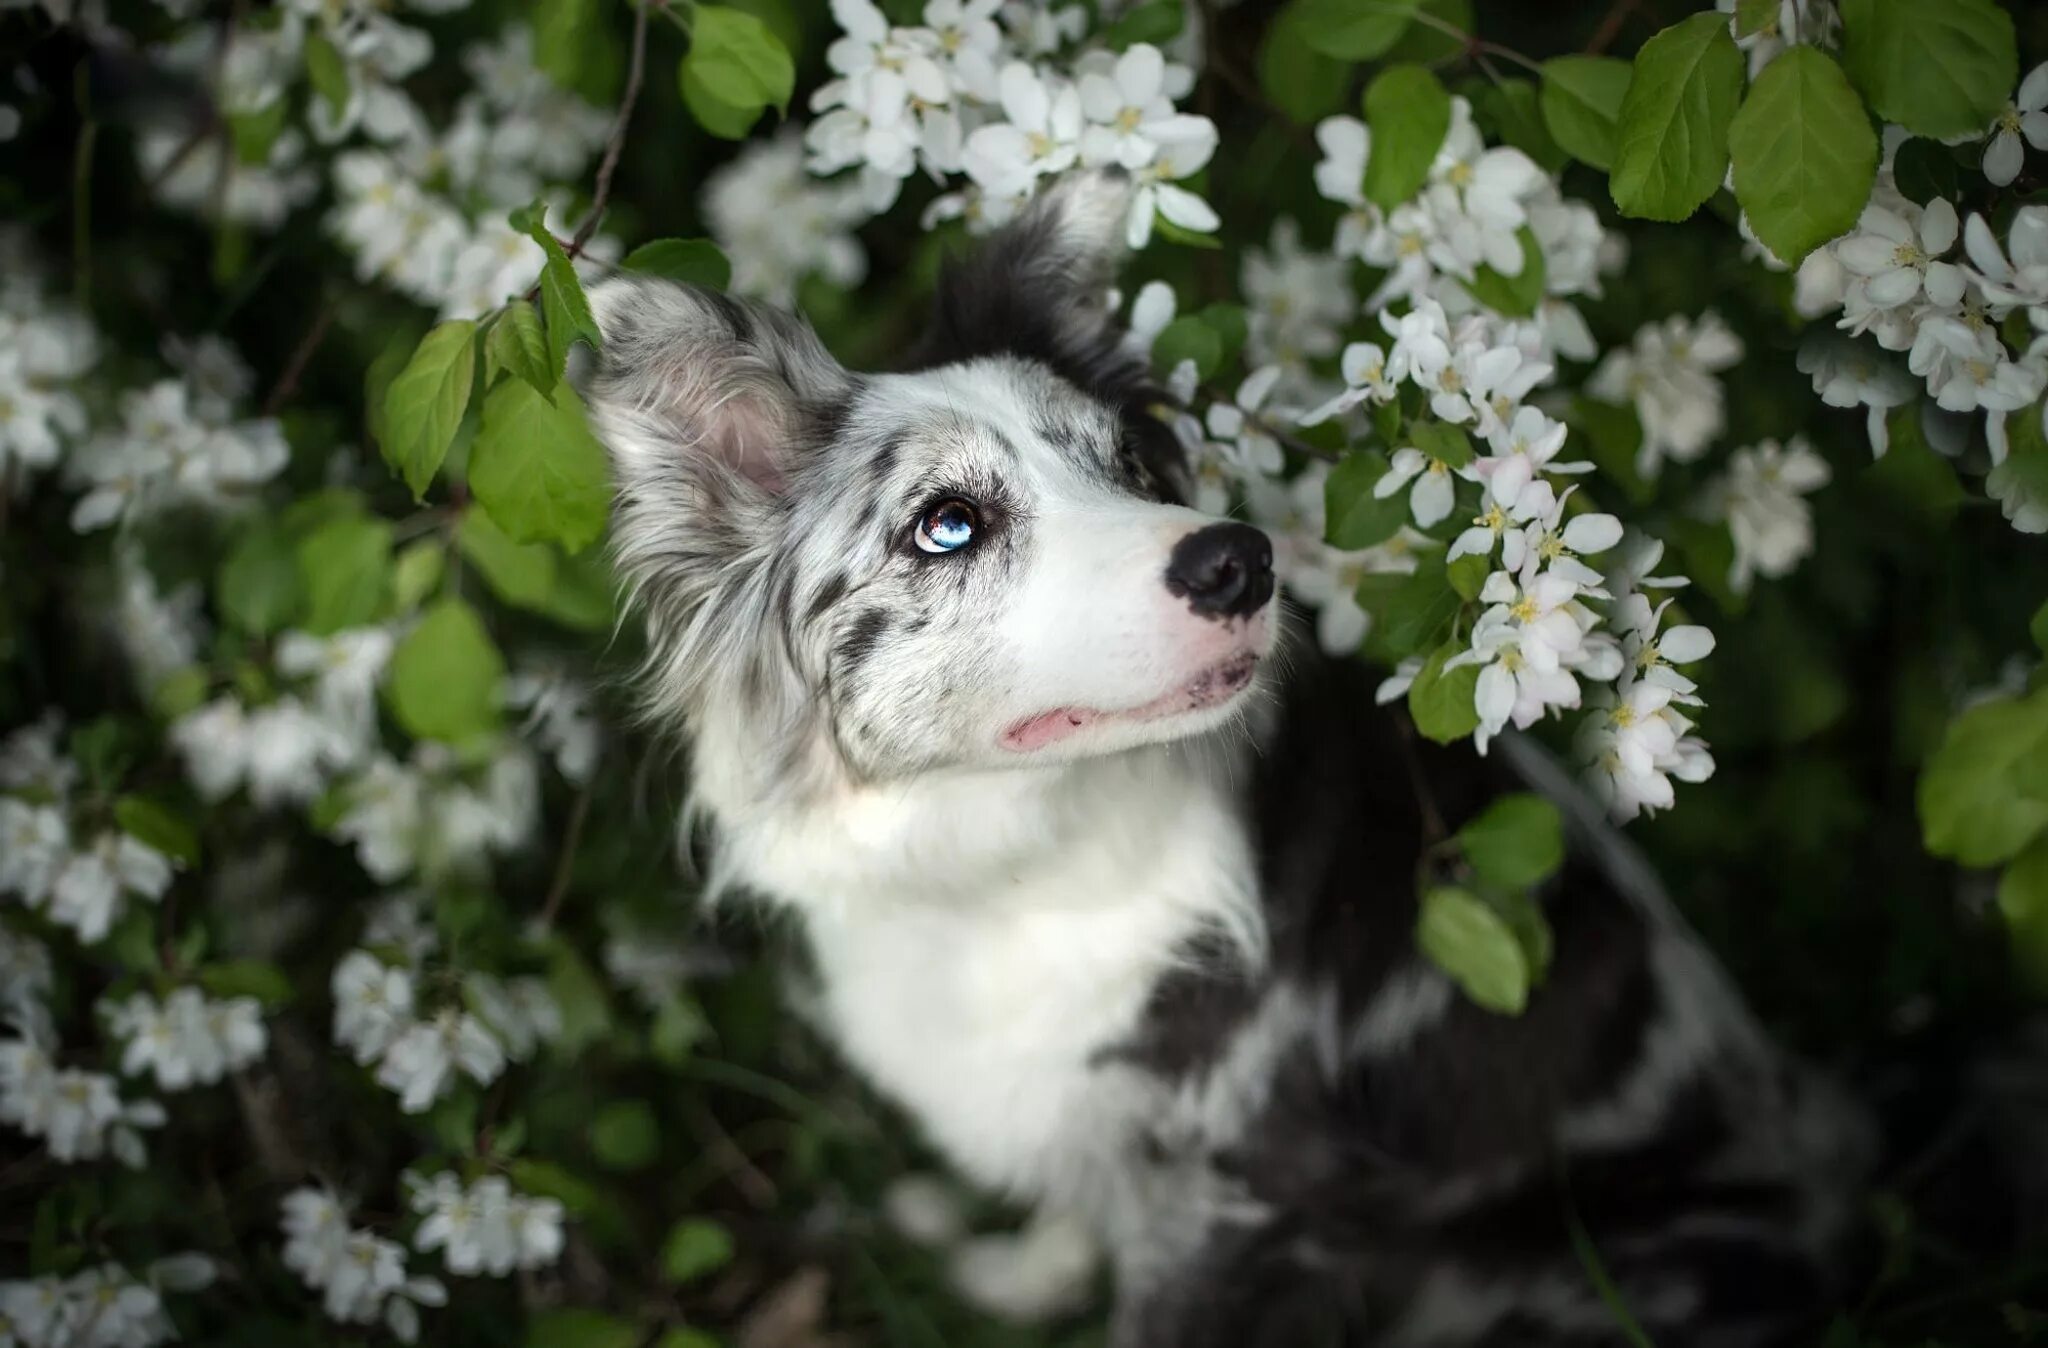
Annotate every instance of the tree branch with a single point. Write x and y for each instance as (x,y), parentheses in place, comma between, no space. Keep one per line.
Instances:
(294,368)
(1610,27)
(616,142)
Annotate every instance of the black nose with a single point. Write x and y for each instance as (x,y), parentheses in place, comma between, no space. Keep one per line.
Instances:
(1223,571)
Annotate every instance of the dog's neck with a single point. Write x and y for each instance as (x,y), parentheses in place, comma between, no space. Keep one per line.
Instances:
(985,938)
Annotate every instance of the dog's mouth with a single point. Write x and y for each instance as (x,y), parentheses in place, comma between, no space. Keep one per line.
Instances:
(1206,691)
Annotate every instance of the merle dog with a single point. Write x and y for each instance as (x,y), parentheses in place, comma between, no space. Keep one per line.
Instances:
(1110,883)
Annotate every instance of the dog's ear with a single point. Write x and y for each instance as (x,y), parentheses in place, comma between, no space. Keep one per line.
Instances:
(1040,288)
(696,387)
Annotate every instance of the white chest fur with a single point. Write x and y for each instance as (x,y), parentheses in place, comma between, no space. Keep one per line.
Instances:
(981,940)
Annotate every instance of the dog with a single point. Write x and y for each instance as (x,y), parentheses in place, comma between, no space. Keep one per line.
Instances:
(1109,878)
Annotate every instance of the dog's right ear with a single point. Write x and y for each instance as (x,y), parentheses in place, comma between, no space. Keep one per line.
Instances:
(703,391)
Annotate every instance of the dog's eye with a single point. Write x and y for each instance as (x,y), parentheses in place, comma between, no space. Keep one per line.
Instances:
(946,526)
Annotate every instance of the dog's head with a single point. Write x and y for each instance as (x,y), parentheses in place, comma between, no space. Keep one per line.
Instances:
(977,562)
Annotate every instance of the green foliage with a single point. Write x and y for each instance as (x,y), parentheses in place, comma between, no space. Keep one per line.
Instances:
(624,1135)
(696,262)
(736,69)
(159,826)
(1301,82)
(537,468)
(562,302)
(518,573)
(426,401)
(1941,70)
(1672,131)
(1408,111)
(1355,30)
(1440,701)
(1516,295)
(694,1248)
(1804,153)
(1188,337)
(1972,805)
(571,1328)
(260,979)
(1471,940)
(518,346)
(346,566)
(1581,101)
(326,72)
(445,676)
(258,586)
(1354,517)
(1516,842)
(1158,22)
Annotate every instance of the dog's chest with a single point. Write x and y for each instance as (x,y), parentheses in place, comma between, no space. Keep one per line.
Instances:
(993,1016)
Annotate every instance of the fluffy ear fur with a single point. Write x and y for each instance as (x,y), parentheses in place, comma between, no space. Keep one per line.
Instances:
(692,381)
(708,404)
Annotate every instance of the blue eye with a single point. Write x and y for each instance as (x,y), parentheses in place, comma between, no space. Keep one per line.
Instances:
(947,526)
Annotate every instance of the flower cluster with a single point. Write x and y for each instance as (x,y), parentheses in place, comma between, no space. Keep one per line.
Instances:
(79,1114)
(1917,281)
(378,1018)
(434,813)
(485,1228)
(959,96)
(79,877)
(100,1307)
(45,346)
(777,225)
(360,1275)
(188,1039)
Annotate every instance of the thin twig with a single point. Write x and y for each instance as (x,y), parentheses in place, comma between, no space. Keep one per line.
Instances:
(288,382)
(735,1164)
(616,142)
(1610,27)
(558,889)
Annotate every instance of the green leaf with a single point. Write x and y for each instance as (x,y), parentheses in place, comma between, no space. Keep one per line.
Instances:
(1158,23)
(247,978)
(677,1029)
(1938,69)
(327,72)
(1188,338)
(1427,44)
(1231,325)
(573,1328)
(695,1247)
(1300,81)
(1516,110)
(586,1014)
(258,588)
(1581,101)
(1754,16)
(425,403)
(417,573)
(562,301)
(1673,147)
(1409,113)
(537,468)
(521,574)
(545,1179)
(157,825)
(1441,704)
(1611,437)
(1355,518)
(1912,476)
(383,368)
(624,1135)
(1468,574)
(735,69)
(346,564)
(1355,30)
(2038,629)
(1411,612)
(1516,842)
(2023,901)
(518,346)
(1515,296)
(255,133)
(1466,938)
(179,692)
(445,676)
(1970,806)
(583,594)
(1447,444)
(696,262)
(687,1338)
(1804,153)
(1925,170)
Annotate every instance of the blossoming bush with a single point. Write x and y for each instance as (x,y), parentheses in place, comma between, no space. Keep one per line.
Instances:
(349,985)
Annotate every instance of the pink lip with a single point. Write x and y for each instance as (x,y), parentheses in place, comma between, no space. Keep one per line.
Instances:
(1211,688)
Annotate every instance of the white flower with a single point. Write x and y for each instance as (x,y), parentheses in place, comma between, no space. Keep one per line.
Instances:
(1365,380)
(25,979)
(559,714)
(1762,496)
(777,225)
(1668,375)
(1477,195)
(419,1063)
(486,1228)
(1522,447)
(316,1231)
(367,1269)
(189,1039)
(1346,144)
(2026,116)
(1122,104)
(520,1011)
(1297,302)
(1651,656)
(372,1005)
(2022,280)
(1846,374)
(1899,258)
(30,761)
(1434,492)
(1248,448)
(79,1114)
(86,895)
(346,668)
(1966,367)
(1041,136)
(1549,540)
(1184,146)
(35,843)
